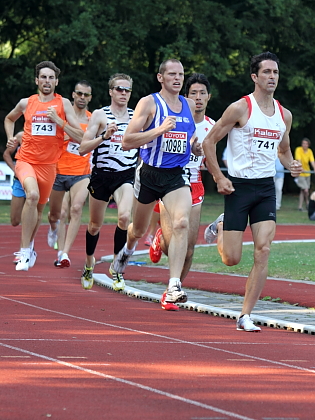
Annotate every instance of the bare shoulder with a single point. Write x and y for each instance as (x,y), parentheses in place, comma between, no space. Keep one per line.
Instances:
(237,112)
(287,116)
(146,102)
(191,104)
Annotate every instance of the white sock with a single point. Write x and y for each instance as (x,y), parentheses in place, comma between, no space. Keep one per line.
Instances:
(32,245)
(128,251)
(173,281)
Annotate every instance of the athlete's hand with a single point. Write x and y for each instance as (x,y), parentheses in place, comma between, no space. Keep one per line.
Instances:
(295,168)
(12,143)
(196,147)
(53,116)
(225,186)
(110,130)
(168,124)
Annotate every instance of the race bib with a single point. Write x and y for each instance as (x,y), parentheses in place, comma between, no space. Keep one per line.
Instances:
(174,142)
(73,147)
(43,129)
(115,147)
(265,141)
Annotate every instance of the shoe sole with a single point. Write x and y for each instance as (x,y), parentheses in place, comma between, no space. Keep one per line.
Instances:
(242,329)
(64,264)
(172,307)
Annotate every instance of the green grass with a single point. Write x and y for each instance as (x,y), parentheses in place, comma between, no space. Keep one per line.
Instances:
(211,208)
(291,261)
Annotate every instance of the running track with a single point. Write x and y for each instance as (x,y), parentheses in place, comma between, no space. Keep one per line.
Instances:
(72,354)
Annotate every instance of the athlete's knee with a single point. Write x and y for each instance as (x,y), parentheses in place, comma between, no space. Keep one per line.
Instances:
(124,220)
(261,254)
(76,210)
(15,220)
(94,228)
(181,223)
(32,197)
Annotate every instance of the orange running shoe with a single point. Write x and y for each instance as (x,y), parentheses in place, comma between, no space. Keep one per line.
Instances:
(155,251)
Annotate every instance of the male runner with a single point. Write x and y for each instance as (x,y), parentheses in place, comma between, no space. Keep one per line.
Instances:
(47,115)
(197,88)
(256,126)
(162,127)
(112,174)
(73,175)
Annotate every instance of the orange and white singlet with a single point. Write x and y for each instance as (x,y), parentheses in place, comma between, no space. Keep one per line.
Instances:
(43,139)
(70,162)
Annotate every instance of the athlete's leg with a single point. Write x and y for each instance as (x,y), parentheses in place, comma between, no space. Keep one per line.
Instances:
(55,203)
(178,205)
(16,208)
(124,198)
(263,234)
(78,194)
(30,216)
(64,219)
(97,210)
(141,216)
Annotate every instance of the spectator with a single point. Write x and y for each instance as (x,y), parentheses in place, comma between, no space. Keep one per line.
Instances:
(304,155)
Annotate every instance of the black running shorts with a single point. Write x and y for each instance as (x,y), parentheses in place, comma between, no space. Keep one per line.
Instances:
(253,199)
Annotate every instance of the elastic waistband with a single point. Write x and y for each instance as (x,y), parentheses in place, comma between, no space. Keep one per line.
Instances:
(175,170)
(253,181)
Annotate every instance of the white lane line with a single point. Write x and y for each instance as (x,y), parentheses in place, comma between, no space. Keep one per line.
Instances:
(131,383)
(171,339)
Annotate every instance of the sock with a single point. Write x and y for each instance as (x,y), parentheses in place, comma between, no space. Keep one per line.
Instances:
(129,251)
(32,245)
(120,238)
(173,281)
(91,242)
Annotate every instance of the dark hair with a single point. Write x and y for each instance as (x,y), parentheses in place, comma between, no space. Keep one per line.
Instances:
(308,141)
(83,83)
(197,78)
(162,67)
(49,65)
(257,59)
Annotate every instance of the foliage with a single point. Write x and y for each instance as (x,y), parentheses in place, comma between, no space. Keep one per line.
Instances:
(94,39)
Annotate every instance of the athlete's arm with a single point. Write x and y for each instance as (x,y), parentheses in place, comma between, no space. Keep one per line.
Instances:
(235,115)
(284,153)
(7,154)
(72,128)
(144,113)
(9,122)
(93,134)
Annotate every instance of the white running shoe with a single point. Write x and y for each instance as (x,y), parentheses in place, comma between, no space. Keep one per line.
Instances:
(33,256)
(23,264)
(63,260)
(17,256)
(53,235)
(246,324)
(211,231)
(118,279)
(175,294)
(121,260)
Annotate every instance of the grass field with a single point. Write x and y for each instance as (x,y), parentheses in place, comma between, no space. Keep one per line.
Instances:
(211,208)
(293,261)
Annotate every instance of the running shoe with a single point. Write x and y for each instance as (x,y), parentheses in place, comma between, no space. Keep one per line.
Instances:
(87,277)
(33,256)
(62,261)
(23,264)
(118,279)
(168,306)
(155,251)
(53,235)
(148,241)
(121,261)
(246,324)
(17,256)
(175,294)
(211,231)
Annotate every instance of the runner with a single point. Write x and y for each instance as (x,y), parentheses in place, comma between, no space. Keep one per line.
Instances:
(197,88)
(112,174)
(47,115)
(73,174)
(256,125)
(163,128)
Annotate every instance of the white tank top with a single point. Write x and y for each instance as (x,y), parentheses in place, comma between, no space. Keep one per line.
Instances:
(195,162)
(252,149)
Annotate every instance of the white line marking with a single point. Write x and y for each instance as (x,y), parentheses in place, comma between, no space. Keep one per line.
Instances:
(172,339)
(131,383)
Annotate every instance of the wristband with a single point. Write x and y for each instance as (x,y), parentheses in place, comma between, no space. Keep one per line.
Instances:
(103,138)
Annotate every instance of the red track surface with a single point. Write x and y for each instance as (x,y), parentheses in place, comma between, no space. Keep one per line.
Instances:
(71,354)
